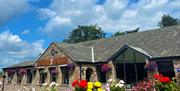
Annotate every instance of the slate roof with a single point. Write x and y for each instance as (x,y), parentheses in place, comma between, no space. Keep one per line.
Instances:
(162,42)
(22,64)
(76,52)
(157,43)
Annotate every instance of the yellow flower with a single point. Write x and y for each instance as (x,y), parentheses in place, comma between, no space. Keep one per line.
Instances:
(99,89)
(89,89)
(90,85)
(97,84)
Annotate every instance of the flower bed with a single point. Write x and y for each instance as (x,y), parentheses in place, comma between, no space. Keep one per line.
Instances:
(164,83)
(83,85)
(158,83)
(50,87)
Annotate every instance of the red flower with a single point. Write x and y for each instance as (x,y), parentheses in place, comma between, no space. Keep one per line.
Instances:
(157,76)
(75,83)
(83,84)
(165,80)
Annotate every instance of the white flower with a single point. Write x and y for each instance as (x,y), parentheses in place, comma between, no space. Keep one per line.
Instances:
(119,85)
(111,80)
(52,84)
(45,84)
(121,82)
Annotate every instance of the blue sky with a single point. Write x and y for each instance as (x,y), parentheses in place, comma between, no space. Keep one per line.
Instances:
(27,27)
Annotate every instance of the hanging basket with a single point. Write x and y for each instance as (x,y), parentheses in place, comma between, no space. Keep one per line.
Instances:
(105,68)
(11,72)
(54,72)
(71,66)
(22,71)
(151,66)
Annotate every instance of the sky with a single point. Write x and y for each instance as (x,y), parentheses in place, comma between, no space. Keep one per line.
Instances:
(27,27)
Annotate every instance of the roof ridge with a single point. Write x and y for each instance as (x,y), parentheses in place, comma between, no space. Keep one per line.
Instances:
(72,44)
(95,40)
(144,31)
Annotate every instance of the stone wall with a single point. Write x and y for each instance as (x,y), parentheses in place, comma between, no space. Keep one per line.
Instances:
(74,75)
(24,86)
(94,75)
(94,72)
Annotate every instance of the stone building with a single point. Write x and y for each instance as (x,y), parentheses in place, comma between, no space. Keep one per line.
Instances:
(123,57)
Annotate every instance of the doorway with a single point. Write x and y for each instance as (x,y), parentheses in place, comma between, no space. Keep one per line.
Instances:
(141,72)
(43,76)
(130,73)
(65,75)
(89,72)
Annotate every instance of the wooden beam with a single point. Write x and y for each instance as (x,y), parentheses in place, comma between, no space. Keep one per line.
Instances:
(135,67)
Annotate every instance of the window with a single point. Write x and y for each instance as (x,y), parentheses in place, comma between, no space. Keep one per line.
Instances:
(53,78)
(29,76)
(130,66)
(89,72)
(43,76)
(166,68)
(120,71)
(10,74)
(141,72)
(53,74)
(130,73)
(19,78)
(9,78)
(65,75)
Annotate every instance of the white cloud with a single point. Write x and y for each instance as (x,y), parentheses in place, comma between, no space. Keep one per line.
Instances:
(129,14)
(112,16)
(11,8)
(13,49)
(58,27)
(26,31)
(46,13)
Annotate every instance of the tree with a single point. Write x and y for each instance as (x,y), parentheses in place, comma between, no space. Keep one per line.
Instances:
(126,32)
(85,33)
(167,20)
(118,33)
